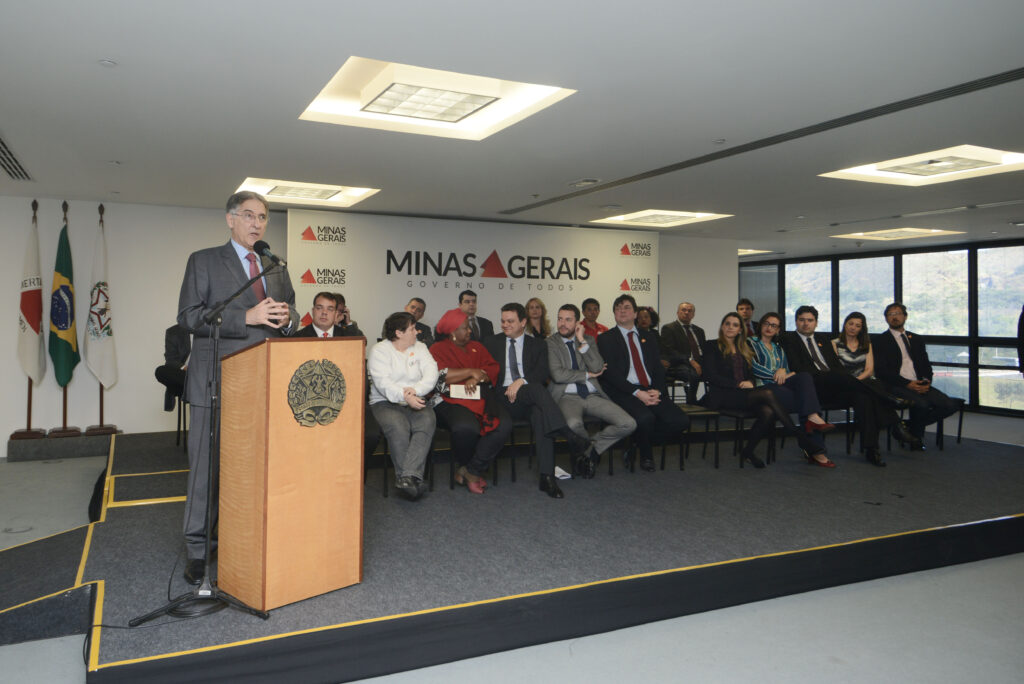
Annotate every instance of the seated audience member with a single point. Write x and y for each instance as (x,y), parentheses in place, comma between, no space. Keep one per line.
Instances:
(324,314)
(522,372)
(402,372)
(344,319)
(177,347)
(635,380)
(575,364)
(477,435)
(647,321)
(417,307)
(591,310)
(728,363)
(901,363)
(853,347)
(745,308)
(537,323)
(681,342)
(809,352)
(771,368)
(479,327)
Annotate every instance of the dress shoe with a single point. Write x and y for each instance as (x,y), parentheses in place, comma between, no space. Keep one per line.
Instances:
(578,446)
(195,570)
(754,460)
(628,459)
(874,457)
(916,444)
(549,484)
(813,461)
(902,433)
(647,464)
(409,487)
(810,427)
(898,403)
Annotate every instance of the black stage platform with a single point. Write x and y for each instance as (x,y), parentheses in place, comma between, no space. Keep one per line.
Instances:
(457,575)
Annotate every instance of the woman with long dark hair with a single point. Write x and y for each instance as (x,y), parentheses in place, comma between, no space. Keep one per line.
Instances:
(853,346)
(728,363)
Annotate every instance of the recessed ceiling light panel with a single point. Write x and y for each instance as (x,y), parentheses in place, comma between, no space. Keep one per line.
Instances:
(309,194)
(898,234)
(408,99)
(938,166)
(748,252)
(660,218)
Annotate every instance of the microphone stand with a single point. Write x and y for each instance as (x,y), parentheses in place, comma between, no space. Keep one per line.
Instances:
(207,597)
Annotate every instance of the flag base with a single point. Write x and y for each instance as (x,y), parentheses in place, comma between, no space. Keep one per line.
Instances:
(64,432)
(28,434)
(94,430)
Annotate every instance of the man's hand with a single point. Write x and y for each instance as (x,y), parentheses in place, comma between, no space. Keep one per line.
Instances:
(648,397)
(512,390)
(414,402)
(919,386)
(591,374)
(579,332)
(696,366)
(269,313)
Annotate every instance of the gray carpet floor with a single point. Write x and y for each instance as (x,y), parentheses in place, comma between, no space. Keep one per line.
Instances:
(454,547)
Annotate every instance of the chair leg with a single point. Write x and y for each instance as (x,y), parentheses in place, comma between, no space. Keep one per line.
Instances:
(960,425)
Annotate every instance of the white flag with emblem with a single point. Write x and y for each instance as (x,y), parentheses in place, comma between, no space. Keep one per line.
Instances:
(31,351)
(99,335)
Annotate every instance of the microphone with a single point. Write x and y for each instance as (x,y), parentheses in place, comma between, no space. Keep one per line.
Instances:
(263,249)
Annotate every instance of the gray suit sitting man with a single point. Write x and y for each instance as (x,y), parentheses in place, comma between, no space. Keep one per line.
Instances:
(574,364)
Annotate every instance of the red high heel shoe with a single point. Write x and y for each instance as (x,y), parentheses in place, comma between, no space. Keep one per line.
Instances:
(810,427)
(813,461)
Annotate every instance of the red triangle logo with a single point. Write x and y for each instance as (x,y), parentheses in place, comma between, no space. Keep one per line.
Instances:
(308,277)
(493,267)
(306,320)
(625,250)
(625,285)
(308,234)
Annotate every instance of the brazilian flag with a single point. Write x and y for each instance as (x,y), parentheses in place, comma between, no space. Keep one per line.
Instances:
(63,334)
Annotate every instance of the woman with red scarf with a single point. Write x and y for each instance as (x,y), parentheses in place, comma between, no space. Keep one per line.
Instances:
(478,431)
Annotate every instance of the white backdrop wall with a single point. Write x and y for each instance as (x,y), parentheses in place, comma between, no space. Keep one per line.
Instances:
(380,262)
(147,250)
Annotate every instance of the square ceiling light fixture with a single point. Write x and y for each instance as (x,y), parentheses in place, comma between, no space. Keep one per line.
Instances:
(898,234)
(410,99)
(660,218)
(940,166)
(310,194)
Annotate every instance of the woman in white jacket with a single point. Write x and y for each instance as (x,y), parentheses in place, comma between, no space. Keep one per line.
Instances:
(402,373)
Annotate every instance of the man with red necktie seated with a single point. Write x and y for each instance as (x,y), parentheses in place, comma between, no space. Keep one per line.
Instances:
(324,315)
(635,380)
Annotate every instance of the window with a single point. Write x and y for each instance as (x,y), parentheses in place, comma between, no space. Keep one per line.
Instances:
(809,284)
(935,292)
(866,285)
(760,284)
(1000,386)
(1000,290)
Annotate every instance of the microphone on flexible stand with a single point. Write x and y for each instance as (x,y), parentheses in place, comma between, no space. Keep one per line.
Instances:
(263,249)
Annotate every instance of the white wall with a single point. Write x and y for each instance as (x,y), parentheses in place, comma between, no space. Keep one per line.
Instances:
(147,249)
(700,271)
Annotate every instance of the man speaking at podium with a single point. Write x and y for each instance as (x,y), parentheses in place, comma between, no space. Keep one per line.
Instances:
(266,309)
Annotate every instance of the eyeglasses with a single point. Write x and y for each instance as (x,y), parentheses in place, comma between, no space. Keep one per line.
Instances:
(250,216)
(770,325)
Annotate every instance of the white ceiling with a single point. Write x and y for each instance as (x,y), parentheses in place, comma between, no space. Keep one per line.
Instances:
(207,93)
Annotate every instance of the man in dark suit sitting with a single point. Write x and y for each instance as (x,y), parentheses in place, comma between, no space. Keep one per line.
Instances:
(479,327)
(901,362)
(177,347)
(265,309)
(811,352)
(522,373)
(417,307)
(324,316)
(680,345)
(635,380)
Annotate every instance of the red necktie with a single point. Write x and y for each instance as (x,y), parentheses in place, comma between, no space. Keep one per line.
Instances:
(254,270)
(326,335)
(638,364)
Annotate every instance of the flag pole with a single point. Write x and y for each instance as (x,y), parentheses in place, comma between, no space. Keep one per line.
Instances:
(101,429)
(28,432)
(64,430)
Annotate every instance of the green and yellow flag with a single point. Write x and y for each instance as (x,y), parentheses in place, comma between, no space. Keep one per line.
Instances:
(63,334)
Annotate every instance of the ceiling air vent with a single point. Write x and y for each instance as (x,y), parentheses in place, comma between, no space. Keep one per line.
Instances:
(11,164)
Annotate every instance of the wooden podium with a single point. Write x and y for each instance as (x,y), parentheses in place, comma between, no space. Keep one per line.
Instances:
(291,492)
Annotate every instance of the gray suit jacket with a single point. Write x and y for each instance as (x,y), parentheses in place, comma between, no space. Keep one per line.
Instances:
(560,365)
(211,276)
